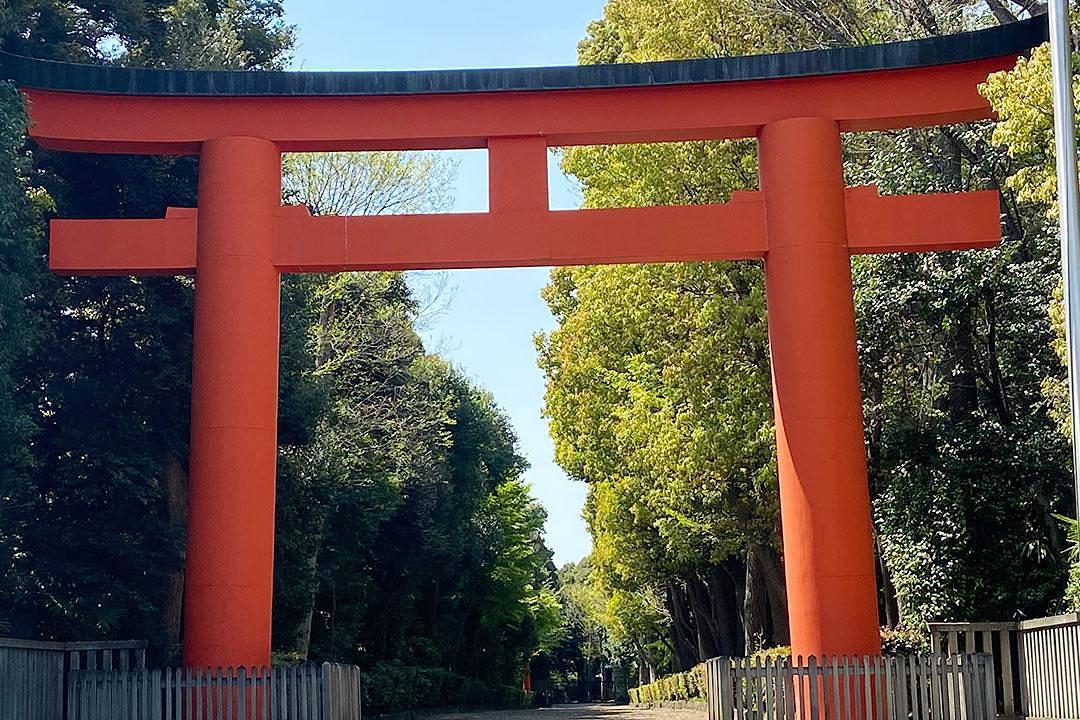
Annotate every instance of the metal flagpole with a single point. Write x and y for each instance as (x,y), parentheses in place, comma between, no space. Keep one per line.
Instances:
(1065,147)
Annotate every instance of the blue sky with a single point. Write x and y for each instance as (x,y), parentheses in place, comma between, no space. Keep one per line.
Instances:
(492,315)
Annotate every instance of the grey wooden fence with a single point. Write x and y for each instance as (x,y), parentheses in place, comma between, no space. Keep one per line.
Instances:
(852,688)
(299,692)
(31,682)
(1037,662)
(1000,639)
(32,672)
(1051,667)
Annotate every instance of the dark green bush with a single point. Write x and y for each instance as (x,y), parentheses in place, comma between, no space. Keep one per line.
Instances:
(903,640)
(782,652)
(391,687)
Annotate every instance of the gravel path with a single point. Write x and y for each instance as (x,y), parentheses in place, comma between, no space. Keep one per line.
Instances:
(577,712)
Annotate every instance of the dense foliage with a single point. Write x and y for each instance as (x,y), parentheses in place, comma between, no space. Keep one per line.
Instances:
(407,541)
(1022,99)
(670,423)
(692,685)
(391,687)
(658,380)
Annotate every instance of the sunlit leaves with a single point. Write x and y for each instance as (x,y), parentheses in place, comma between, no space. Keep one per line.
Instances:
(1022,99)
(1025,127)
(375,183)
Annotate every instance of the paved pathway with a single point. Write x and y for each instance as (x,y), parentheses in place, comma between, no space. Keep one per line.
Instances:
(577,712)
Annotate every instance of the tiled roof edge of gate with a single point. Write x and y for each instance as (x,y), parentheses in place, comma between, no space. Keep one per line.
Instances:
(1011,39)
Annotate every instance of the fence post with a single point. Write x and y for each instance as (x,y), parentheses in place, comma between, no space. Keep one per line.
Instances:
(359,693)
(72,693)
(724,698)
(991,689)
(324,682)
(711,690)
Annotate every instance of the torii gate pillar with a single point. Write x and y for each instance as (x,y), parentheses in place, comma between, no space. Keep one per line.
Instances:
(230,560)
(821,458)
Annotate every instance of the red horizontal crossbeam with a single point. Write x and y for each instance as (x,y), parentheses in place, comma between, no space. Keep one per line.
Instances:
(921,223)
(125,247)
(528,237)
(876,100)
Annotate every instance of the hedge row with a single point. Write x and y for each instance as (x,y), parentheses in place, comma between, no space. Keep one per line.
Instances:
(688,685)
(393,687)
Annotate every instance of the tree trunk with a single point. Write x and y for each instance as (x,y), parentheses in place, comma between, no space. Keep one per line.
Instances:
(755,603)
(730,581)
(888,590)
(994,378)
(683,637)
(175,485)
(773,573)
(963,394)
(733,574)
(709,628)
(302,642)
(728,595)
(642,664)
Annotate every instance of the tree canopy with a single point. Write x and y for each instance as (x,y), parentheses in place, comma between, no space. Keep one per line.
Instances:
(658,384)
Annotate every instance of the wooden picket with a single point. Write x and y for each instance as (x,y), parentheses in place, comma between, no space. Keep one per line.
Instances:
(32,672)
(298,692)
(933,687)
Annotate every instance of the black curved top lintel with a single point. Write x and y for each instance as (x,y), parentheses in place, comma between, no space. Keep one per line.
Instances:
(1012,39)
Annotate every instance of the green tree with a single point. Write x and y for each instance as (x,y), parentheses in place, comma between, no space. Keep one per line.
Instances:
(20,241)
(97,510)
(1072,591)
(669,422)
(1022,99)
(965,465)
(383,446)
(658,376)
(352,353)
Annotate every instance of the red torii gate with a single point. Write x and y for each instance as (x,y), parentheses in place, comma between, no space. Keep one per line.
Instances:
(803,222)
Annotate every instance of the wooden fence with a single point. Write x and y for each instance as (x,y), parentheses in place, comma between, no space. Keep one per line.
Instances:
(857,688)
(1051,667)
(299,692)
(1000,639)
(1037,662)
(32,672)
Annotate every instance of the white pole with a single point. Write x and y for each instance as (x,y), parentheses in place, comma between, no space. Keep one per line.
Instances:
(1065,147)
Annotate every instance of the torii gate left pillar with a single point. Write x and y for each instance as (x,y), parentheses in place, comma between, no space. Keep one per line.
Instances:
(228,588)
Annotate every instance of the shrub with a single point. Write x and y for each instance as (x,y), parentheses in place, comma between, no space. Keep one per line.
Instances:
(688,685)
(902,640)
(691,685)
(1072,590)
(774,653)
(391,687)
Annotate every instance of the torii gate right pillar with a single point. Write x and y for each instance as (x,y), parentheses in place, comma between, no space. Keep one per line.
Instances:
(821,458)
